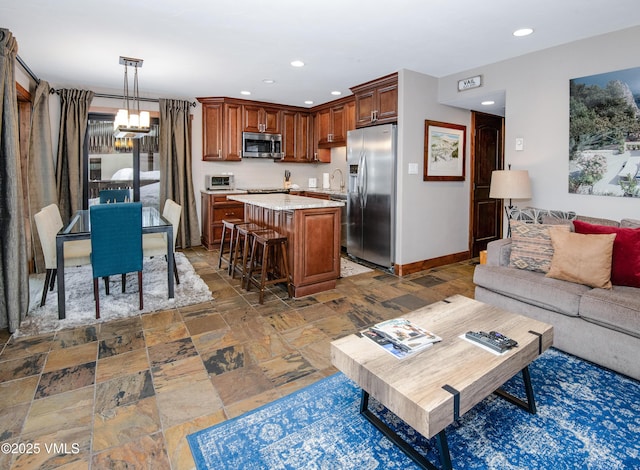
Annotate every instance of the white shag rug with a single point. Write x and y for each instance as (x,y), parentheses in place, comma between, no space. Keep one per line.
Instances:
(80,307)
(349,268)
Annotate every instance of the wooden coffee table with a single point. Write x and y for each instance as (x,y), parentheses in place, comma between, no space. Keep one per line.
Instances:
(434,387)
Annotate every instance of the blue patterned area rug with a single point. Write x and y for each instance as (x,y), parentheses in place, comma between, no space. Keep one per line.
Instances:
(588,418)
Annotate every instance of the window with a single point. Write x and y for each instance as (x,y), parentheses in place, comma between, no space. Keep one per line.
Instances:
(112,163)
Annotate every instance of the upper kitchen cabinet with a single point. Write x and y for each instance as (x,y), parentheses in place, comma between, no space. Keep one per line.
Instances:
(332,121)
(296,133)
(257,118)
(377,101)
(221,130)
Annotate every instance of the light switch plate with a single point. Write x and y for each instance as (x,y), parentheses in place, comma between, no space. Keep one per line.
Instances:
(519,143)
(413,168)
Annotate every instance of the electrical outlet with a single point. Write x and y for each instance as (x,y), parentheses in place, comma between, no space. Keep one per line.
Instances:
(413,168)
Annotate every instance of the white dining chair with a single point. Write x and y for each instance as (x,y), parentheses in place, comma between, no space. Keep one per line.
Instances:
(155,244)
(76,252)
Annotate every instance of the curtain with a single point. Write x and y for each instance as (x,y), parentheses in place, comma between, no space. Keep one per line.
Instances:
(74,114)
(14,275)
(42,173)
(175,167)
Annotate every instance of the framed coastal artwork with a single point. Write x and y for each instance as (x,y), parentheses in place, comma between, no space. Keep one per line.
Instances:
(444,146)
(604,134)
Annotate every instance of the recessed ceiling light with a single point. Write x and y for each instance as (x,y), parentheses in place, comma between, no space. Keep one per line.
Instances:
(297,63)
(244,92)
(336,93)
(488,103)
(308,102)
(268,81)
(523,32)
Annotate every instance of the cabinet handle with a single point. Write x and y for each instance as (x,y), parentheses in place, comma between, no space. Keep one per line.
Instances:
(219,153)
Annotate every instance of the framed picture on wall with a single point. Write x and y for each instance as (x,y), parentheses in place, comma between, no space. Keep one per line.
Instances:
(444,145)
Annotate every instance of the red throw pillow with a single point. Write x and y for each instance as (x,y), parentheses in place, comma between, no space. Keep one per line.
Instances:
(625,265)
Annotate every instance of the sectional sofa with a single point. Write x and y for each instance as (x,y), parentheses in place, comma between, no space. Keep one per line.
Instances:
(595,319)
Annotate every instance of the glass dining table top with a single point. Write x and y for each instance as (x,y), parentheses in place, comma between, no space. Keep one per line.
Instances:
(81,223)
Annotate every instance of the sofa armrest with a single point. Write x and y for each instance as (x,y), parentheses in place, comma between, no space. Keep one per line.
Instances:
(499,252)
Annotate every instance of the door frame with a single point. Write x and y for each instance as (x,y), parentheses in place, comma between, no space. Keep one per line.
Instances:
(472,173)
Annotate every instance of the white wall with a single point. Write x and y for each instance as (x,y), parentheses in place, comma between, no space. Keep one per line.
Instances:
(537,109)
(432,216)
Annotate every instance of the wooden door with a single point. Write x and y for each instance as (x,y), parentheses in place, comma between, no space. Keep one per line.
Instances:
(487,151)
(365,106)
(387,109)
(289,135)
(303,149)
(232,137)
(212,131)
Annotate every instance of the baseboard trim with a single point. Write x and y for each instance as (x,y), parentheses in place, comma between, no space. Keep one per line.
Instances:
(405,269)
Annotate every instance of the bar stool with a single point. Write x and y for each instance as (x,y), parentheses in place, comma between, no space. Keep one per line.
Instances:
(227,225)
(273,268)
(244,235)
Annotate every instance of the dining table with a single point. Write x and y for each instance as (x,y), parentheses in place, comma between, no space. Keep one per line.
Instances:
(79,228)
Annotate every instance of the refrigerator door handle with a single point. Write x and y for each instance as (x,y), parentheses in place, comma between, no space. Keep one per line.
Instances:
(359,181)
(364,179)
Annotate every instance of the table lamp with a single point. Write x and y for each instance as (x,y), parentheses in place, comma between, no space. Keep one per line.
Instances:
(510,184)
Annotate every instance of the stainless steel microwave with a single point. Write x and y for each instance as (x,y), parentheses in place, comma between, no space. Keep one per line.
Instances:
(219,182)
(256,145)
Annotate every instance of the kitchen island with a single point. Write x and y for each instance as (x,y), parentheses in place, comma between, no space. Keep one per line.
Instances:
(313,230)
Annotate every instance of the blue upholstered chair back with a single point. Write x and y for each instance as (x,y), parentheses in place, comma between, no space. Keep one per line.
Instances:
(114,195)
(116,238)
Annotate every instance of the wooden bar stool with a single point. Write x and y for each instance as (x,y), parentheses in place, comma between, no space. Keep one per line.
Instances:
(228,225)
(274,265)
(244,235)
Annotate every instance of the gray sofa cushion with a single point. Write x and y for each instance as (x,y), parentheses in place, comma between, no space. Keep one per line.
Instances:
(617,308)
(531,287)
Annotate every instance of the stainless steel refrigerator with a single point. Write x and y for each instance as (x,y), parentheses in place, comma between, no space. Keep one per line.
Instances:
(371,194)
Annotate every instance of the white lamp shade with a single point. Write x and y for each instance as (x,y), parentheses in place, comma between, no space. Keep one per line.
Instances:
(510,184)
(122,119)
(133,121)
(145,119)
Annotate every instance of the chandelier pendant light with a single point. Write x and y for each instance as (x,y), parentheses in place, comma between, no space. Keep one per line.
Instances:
(130,122)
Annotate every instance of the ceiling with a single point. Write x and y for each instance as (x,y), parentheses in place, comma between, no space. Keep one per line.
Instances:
(197,48)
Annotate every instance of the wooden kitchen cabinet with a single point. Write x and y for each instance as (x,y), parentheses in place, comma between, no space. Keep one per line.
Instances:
(221,130)
(376,102)
(256,118)
(331,126)
(331,122)
(215,208)
(296,137)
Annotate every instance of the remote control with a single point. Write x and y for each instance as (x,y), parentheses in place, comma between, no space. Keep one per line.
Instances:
(493,340)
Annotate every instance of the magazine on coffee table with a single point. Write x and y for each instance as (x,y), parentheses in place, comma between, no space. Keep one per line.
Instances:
(400,337)
(405,335)
(388,346)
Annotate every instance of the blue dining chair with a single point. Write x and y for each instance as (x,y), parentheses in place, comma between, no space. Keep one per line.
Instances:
(114,195)
(116,244)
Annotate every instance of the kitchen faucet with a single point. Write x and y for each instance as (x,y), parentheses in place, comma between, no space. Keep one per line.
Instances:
(333,175)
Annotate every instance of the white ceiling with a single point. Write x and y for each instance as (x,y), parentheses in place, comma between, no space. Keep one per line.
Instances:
(195,48)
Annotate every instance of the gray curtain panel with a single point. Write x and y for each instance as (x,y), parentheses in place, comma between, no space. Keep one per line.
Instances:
(74,113)
(42,172)
(14,275)
(175,167)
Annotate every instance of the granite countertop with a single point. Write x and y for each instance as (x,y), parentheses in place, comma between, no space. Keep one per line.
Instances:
(223,191)
(282,202)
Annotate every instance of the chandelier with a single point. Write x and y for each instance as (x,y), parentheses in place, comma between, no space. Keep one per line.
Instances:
(130,122)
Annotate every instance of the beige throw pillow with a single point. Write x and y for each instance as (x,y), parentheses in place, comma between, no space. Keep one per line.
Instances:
(584,259)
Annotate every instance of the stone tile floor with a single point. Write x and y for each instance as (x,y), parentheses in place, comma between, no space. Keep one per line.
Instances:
(125,393)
